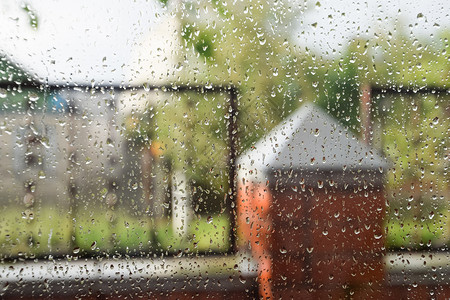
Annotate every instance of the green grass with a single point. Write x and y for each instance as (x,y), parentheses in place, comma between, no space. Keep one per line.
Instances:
(52,232)
(415,234)
(34,232)
(201,236)
(111,232)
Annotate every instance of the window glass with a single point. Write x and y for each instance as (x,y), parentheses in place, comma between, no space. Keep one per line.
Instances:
(181,149)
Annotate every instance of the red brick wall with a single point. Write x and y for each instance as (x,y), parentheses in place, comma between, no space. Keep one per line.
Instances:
(326,241)
(319,241)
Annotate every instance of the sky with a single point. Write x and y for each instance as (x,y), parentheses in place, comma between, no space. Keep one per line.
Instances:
(337,21)
(94,41)
(76,41)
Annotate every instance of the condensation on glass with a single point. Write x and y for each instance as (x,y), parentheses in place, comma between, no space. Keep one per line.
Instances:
(171,149)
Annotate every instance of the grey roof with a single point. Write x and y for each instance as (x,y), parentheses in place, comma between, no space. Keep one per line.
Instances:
(309,139)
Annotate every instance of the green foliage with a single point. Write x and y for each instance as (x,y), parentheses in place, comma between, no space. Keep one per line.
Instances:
(204,45)
(9,72)
(193,133)
(229,49)
(411,233)
(201,40)
(32,16)
(339,92)
(411,62)
(202,236)
(164,2)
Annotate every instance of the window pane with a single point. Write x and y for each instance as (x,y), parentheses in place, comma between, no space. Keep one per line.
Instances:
(181,149)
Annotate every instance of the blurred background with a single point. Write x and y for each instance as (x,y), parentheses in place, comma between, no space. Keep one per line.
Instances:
(106,153)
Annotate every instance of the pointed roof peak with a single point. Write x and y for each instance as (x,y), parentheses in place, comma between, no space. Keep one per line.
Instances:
(310,139)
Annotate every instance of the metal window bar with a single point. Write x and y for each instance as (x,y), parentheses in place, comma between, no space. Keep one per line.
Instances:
(232,127)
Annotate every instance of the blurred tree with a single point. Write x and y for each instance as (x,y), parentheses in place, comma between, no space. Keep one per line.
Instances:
(339,90)
(228,43)
(415,131)
(413,62)
(32,15)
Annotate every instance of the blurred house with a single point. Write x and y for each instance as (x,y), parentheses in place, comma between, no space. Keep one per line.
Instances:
(310,208)
(57,142)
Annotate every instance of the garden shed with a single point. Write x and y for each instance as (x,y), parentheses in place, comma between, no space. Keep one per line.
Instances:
(310,209)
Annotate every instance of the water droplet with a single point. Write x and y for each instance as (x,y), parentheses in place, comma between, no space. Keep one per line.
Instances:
(316,132)
(111,199)
(275,71)
(94,245)
(44,142)
(325,232)
(30,214)
(209,220)
(33,97)
(28,199)
(3,93)
(109,142)
(76,250)
(283,251)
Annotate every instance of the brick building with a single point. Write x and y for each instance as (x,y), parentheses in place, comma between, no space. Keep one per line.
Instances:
(310,209)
